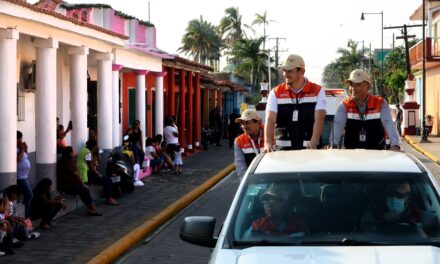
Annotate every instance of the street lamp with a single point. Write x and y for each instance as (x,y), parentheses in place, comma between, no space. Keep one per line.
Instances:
(381,14)
(351,42)
(424,138)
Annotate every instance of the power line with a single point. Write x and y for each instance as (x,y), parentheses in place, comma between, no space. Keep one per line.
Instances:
(277,50)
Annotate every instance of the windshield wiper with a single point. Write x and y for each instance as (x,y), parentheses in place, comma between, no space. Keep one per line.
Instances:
(263,242)
(343,242)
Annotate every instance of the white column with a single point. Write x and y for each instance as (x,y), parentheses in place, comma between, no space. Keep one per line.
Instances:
(116,136)
(78,95)
(159,103)
(45,108)
(45,105)
(8,106)
(104,95)
(140,100)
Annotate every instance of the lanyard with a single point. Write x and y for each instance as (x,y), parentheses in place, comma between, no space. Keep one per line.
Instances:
(256,150)
(296,94)
(365,112)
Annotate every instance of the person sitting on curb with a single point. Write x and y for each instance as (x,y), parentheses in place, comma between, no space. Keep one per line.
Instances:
(155,162)
(157,144)
(5,233)
(89,173)
(249,144)
(128,150)
(43,206)
(21,228)
(70,182)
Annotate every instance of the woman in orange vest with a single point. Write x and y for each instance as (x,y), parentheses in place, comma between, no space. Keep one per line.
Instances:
(250,143)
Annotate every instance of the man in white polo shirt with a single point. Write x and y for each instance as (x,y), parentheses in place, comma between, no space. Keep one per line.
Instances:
(295,110)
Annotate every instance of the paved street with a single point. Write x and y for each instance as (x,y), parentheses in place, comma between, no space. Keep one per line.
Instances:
(166,246)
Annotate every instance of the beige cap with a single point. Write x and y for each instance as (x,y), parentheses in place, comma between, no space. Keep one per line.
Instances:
(275,192)
(292,62)
(248,114)
(358,76)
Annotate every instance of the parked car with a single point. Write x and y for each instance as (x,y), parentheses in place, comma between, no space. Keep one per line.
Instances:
(338,207)
(334,98)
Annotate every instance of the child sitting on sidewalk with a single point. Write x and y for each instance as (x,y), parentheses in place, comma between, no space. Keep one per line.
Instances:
(155,162)
(157,144)
(21,228)
(5,233)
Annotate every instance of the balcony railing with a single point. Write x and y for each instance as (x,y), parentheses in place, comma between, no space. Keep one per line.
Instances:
(432,53)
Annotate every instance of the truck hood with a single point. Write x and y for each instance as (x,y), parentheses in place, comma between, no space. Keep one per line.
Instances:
(336,254)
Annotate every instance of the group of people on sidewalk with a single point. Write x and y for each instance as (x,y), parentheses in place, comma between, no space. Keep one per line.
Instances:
(75,173)
(38,204)
(295,114)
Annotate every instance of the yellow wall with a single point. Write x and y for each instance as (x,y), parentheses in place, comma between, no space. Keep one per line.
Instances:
(433,96)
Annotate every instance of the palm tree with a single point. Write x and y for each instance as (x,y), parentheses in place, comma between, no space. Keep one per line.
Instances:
(262,19)
(251,61)
(201,41)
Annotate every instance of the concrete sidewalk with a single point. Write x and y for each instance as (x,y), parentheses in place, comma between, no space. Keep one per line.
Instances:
(430,150)
(78,238)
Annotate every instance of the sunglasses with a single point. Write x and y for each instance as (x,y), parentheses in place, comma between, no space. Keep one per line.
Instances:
(398,194)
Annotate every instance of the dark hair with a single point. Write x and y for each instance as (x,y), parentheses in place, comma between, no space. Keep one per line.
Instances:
(91,143)
(42,186)
(19,134)
(158,138)
(148,141)
(169,120)
(12,189)
(65,155)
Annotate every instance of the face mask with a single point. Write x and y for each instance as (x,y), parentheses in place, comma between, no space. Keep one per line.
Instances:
(396,205)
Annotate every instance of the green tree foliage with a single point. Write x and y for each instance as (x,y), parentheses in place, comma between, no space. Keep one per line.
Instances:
(261,19)
(201,41)
(251,60)
(350,58)
(395,75)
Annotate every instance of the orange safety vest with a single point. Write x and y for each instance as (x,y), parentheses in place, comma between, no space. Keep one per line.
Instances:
(245,143)
(364,130)
(290,131)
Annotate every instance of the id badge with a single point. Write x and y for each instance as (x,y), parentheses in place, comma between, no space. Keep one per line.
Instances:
(362,136)
(306,143)
(295,116)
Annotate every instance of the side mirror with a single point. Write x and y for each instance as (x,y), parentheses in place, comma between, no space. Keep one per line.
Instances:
(198,230)
(126,137)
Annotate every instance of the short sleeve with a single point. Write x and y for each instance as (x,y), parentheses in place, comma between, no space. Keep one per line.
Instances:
(272,104)
(321,103)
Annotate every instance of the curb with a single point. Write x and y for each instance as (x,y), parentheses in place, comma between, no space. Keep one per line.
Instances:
(421,150)
(119,247)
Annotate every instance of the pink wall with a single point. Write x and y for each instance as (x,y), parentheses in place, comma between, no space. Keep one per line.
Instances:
(154,36)
(117,23)
(140,33)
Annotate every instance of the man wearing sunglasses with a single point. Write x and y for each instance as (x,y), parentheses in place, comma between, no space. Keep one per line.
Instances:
(396,208)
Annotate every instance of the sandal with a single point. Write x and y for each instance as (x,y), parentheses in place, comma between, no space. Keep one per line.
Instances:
(111,202)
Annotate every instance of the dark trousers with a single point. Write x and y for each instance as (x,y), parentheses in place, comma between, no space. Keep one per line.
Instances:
(45,211)
(26,190)
(104,181)
(83,193)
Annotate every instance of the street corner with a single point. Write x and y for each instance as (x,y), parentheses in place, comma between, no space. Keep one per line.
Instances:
(431,150)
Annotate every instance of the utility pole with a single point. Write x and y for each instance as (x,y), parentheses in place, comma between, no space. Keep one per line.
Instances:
(405,37)
(277,50)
